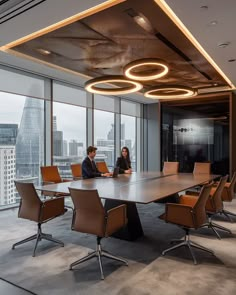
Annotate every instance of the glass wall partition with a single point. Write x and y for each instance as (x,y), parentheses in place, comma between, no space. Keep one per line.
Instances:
(201,135)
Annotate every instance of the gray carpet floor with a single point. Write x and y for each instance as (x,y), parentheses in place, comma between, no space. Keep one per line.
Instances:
(148,272)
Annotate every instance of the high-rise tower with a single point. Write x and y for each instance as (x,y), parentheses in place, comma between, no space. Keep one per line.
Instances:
(30,139)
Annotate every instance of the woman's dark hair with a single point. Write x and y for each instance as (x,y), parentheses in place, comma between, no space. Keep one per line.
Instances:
(127,150)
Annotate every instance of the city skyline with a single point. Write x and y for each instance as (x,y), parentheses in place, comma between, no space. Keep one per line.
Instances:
(27,139)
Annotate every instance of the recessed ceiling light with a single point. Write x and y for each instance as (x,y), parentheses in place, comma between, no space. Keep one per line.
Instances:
(232,60)
(223,44)
(214,23)
(43,51)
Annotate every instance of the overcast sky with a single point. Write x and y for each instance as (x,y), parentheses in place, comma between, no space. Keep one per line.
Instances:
(70,119)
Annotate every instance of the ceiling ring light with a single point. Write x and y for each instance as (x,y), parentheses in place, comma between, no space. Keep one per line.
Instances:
(130,70)
(132,86)
(170,92)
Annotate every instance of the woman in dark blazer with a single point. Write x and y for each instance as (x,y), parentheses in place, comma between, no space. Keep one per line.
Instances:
(123,162)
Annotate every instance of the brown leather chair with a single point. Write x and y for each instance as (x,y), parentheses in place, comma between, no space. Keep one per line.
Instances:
(202,168)
(189,214)
(228,195)
(91,217)
(102,167)
(32,208)
(50,175)
(214,206)
(76,170)
(170,167)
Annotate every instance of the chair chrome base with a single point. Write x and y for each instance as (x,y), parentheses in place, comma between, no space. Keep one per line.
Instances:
(39,236)
(215,226)
(190,244)
(98,253)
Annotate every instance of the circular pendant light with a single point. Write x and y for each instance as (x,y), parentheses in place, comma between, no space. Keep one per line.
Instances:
(132,86)
(133,69)
(170,92)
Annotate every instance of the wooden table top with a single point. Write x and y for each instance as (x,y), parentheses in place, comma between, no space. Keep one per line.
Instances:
(143,187)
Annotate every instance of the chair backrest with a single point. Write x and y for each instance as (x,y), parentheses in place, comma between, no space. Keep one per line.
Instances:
(102,167)
(50,174)
(216,197)
(30,202)
(89,213)
(170,167)
(199,207)
(202,168)
(229,191)
(76,170)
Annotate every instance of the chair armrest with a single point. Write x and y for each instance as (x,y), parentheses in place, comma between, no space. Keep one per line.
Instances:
(188,200)
(116,219)
(179,214)
(52,208)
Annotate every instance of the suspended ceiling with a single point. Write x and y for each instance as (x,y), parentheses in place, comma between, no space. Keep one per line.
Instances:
(104,42)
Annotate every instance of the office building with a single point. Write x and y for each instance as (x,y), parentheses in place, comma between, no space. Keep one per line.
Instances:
(8,134)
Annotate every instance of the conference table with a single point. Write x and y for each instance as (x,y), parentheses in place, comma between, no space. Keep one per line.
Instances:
(130,189)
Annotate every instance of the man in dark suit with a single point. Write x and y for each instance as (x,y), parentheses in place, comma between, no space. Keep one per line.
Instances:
(89,168)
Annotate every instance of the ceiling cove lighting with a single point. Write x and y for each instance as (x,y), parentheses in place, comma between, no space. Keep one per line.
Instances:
(170,92)
(132,86)
(131,69)
(170,13)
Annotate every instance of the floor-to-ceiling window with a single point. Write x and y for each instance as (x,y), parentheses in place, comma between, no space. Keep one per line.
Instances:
(68,127)
(130,120)
(21,142)
(22,126)
(104,133)
(104,129)
(128,137)
(44,121)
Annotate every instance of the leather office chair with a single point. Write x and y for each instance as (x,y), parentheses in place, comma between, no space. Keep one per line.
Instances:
(170,167)
(76,170)
(32,208)
(50,175)
(189,214)
(102,167)
(91,217)
(228,195)
(202,168)
(214,205)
